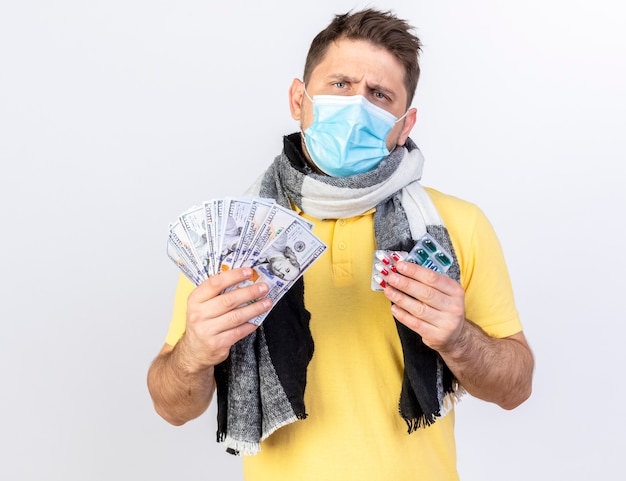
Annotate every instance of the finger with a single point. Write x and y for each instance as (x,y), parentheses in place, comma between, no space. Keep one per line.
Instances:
(213,336)
(229,309)
(410,305)
(212,344)
(235,335)
(430,333)
(237,297)
(436,290)
(238,320)
(219,282)
(235,325)
(408,289)
(427,276)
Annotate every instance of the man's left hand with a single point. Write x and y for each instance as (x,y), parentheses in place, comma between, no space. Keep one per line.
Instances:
(429,303)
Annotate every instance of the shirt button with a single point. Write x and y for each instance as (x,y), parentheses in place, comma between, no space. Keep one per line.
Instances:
(342,221)
(341,246)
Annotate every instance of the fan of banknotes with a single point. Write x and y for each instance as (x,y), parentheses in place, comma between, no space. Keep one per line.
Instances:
(223,234)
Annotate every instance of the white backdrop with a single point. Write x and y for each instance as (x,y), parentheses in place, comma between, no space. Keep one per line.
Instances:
(115,116)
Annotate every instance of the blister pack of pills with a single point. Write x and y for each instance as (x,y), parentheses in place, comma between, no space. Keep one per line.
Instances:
(427,252)
(384,263)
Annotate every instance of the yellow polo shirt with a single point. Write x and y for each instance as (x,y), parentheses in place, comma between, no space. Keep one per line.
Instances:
(354,430)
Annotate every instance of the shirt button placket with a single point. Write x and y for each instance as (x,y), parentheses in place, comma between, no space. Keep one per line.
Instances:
(341,255)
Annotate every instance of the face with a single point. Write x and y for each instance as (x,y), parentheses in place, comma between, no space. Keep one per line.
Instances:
(357,67)
(283,268)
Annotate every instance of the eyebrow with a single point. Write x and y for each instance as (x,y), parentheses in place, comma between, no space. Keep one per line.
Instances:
(345,78)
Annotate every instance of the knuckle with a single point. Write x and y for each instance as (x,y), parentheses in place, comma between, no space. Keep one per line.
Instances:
(432,277)
(458,310)
(193,316)
(419,309)
(235,317)
(427,294)
(225,301)
(402,282)
(214,282)
(211,288)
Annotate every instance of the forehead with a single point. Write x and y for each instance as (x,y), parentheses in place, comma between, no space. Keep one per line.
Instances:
(363,60)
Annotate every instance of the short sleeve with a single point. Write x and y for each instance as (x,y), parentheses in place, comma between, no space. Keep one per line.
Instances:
(179,314)
(489,298)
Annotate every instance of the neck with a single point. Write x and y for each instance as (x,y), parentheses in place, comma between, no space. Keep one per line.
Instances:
(307,158)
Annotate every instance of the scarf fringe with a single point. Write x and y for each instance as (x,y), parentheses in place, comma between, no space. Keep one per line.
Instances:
(250,448)
(450,400)
(277,426)
(453,397)
(238,447)
(421,422)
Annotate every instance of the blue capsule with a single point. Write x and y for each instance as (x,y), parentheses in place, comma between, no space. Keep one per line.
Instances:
(430,245)
(421,256)
(443,259)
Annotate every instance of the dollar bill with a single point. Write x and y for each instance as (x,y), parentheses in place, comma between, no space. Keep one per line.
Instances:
(213,211)
(194,222)
(183,264)
(277,219)
(235,216)
(180,241)
(284,260)
(221,234)
(209,223)
(259,210)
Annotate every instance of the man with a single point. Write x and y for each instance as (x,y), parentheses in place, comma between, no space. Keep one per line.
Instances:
(382,362)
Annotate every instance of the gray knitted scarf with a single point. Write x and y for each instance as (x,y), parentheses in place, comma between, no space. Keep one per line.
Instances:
(260,387)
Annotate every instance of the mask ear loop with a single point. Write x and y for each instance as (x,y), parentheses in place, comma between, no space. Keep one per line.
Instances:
(306,93)
(308,97)
(302,137)
(405,114)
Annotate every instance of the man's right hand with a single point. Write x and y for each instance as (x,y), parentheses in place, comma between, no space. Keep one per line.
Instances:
(180,379)
(216,321)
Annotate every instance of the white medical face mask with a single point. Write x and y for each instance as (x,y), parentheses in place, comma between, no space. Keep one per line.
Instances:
(348,135)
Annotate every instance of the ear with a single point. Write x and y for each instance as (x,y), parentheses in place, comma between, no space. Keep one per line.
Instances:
(409,123)
(296,94)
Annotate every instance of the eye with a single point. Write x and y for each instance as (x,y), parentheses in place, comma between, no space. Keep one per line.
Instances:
(340,85)
(380,96)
